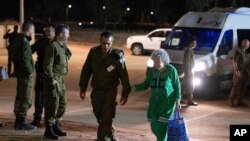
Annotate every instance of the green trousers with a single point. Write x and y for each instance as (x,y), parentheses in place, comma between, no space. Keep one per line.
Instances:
(104,107)
(23,98)
(54,101)
(159,129)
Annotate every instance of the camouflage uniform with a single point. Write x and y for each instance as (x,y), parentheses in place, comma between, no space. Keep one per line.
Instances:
(106,72)
(39,48)
(21,56)
(239,87)
(55,68)
(188,63)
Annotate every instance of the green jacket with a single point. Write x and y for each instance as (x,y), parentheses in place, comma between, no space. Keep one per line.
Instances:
(106,72)
(55,61)
(21,55)
(165,92)
(242,59)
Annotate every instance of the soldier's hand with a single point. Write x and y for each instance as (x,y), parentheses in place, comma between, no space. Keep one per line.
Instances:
(82,94)
(54,82)
(123,100)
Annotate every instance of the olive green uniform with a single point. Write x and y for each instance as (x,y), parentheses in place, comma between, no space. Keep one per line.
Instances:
(21,56)
(188,63)
(239,87)
(106,72)
(55,68)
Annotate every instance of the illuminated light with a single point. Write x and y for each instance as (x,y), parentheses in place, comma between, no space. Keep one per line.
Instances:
(103,7)
(150,63)
(69,6)
(91,23)
(197,81)
(128,9)
(152,13)
(80,23)
(199,66)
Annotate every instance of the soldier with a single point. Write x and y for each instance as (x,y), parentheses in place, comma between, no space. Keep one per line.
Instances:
(240,63)
(107,67)
(39,48)
(188,63)
(21,55)
(11,36)
(55,68)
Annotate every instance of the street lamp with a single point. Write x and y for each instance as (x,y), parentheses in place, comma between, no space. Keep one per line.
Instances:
(67,11)
(103,7)
(128,9)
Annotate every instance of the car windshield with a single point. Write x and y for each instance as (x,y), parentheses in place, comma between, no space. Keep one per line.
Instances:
(206,39)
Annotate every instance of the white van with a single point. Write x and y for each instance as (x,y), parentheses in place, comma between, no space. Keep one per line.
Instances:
(218,33)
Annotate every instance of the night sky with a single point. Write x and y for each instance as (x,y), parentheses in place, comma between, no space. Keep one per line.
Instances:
(41,9)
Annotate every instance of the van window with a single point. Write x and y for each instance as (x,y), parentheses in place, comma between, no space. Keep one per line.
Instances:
(226,43)
(206,39)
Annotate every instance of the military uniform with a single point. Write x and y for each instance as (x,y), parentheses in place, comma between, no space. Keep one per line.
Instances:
(55,68)
(239,87)
(21,56)
(188,64)
(106,72)
(39,48)
(165,92)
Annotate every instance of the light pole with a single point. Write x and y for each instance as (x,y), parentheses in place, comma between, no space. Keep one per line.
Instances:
(21,12)
(67,11)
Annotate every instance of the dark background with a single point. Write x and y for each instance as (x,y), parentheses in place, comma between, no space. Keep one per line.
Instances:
(165,12)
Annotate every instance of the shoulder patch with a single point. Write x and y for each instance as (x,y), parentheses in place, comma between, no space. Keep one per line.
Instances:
(119,54)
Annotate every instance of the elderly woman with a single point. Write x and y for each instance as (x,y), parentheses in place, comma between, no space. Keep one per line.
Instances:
(165,93)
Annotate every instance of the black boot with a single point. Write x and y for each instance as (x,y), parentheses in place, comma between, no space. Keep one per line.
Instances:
(50,134)
(23,125)
(36,122)
(58,131)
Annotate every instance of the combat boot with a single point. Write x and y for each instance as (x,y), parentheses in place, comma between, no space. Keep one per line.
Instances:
(1,124)
(16,125)
(58,131)
(36,122)
(50,134)
(23,125)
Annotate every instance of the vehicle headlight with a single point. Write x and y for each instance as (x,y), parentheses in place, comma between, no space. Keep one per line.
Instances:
(150,63)
(199,66)
(196,81)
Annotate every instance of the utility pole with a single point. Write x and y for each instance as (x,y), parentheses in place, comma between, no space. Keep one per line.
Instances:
(21,12)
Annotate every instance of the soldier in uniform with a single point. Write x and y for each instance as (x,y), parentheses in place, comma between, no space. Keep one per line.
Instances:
(188,63)
(11,36)
(240,63)
(21,55)
(55,67)
(107,67)
(39,48)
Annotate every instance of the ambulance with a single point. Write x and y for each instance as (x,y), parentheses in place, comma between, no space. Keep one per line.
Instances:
(218,33)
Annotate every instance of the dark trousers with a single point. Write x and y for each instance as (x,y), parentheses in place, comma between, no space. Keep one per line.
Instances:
(9,64)
(104,107)
(39,96)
